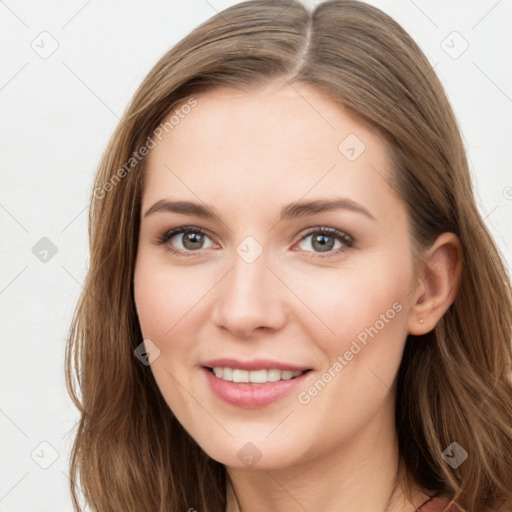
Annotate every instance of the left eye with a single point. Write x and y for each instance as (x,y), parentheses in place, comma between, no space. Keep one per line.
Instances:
(326,240)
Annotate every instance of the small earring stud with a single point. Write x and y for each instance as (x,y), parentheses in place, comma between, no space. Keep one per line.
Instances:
(421,320)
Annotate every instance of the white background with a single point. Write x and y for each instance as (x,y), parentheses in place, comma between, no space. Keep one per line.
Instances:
(57,115)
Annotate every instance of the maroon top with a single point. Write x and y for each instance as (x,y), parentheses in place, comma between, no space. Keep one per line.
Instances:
(437,503)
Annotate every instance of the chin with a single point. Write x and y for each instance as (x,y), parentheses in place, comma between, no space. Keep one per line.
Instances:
(250,450)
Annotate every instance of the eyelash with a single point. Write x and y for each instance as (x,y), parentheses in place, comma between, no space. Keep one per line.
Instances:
(347,240)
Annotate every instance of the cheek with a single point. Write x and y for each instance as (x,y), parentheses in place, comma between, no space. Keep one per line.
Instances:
(164,296)
(359,322)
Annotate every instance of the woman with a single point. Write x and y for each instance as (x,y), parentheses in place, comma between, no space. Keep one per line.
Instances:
(292,301)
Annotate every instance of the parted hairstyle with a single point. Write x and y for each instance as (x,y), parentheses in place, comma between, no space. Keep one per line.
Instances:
(130,453)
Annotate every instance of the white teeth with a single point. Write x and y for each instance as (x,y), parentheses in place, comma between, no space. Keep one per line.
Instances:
(240,375)
(254,376)
(273,375)
(258,376)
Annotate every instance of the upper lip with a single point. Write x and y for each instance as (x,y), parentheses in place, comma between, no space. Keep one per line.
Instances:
(253,364)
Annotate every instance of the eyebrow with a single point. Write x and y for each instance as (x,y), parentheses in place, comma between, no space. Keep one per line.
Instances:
(291,211)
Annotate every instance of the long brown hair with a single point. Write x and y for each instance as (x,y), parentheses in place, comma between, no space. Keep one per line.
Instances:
(454,384)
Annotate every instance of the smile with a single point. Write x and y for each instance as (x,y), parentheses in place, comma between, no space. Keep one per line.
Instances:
(254,376)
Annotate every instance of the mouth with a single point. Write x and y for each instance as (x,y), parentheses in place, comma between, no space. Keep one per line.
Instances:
(254,388)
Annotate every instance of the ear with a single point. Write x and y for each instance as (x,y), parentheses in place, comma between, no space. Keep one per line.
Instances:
(438,282)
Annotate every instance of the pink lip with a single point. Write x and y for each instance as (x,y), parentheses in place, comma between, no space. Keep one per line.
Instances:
(251,396)
(253,364)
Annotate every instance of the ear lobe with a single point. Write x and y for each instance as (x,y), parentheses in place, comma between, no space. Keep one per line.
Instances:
(439,278)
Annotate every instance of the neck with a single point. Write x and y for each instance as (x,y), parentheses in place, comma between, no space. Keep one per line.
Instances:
(366,473)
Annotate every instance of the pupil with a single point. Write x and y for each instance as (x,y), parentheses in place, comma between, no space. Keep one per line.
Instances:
(323,246)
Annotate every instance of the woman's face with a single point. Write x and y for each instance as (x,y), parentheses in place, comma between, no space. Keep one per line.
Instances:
(302,262)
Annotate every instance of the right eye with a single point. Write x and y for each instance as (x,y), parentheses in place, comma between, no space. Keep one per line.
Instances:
(185,239)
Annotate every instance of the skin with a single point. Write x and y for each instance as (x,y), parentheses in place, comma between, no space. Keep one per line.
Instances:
(247,155)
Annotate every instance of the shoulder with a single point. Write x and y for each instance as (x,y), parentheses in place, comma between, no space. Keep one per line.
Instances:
(438,503)
(443,503)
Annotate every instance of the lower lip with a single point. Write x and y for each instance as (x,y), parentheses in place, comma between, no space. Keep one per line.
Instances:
(252,396)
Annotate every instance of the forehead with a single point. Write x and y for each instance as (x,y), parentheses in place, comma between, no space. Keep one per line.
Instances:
(294,119)
(274,144)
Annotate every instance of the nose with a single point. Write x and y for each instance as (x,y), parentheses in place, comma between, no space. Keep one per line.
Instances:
(249,298)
